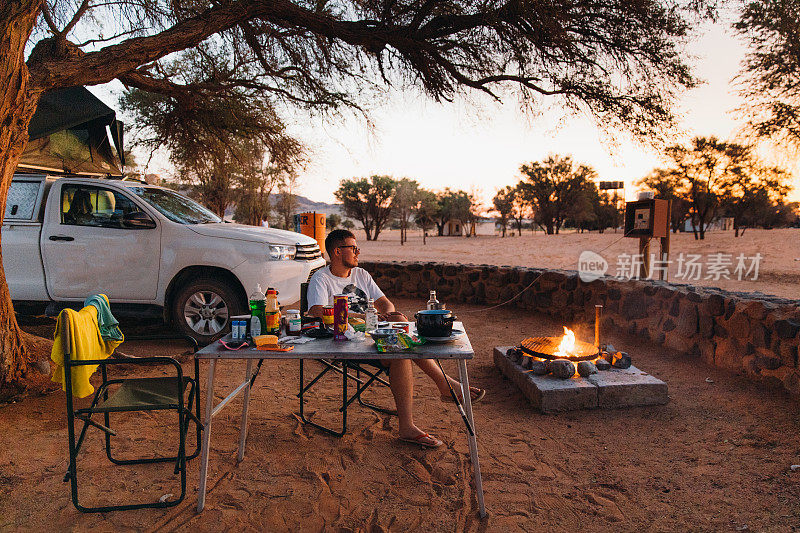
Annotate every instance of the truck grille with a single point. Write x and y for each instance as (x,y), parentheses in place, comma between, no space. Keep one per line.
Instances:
(312,273)
(307,252)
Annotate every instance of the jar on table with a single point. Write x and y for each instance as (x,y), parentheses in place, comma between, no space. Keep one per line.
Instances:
(293,322)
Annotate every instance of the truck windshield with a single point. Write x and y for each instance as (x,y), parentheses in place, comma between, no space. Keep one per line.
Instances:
(175,207)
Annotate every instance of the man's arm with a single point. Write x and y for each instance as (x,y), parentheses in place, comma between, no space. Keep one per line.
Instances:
(386,310)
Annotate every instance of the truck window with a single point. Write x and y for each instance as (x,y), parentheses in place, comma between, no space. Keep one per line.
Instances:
(21,201)
(174,206)
(84,205)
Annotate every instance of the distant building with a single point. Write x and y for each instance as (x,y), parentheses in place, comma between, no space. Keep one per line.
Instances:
(718,224)
(456,228)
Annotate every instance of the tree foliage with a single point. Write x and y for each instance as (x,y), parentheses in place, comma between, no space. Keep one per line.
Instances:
(503,203)
(771,71)
(333,221)
(451,205)
(405,202)
(369,201)
(425,213)
(554,188)
(711,176)
(618,61)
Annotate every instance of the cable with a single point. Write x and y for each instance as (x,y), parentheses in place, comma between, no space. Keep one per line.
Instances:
(530,285)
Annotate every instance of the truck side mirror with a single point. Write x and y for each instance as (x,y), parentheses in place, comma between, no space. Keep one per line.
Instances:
(137,220)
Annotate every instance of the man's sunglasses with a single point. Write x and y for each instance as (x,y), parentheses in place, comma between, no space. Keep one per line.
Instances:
(355,248)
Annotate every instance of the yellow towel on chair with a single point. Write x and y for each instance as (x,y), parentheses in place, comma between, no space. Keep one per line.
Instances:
(85,343)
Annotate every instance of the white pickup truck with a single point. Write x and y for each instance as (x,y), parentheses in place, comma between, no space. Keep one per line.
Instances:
(68,237)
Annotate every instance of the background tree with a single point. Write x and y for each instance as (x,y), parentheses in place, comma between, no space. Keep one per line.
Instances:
(770,74)
(212,142)
(369,201)
(701,168)
(286,204)
(618,61)
(425,213)
(333,221)
(405,202)
(551,187)
(608,213)
(752,192)
(473,215)
(255,182)
(503,203)
(348,224)
(520,207)
(452,205)
(582,212)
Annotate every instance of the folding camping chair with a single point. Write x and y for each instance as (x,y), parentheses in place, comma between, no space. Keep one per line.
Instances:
(349,370)
(130,395)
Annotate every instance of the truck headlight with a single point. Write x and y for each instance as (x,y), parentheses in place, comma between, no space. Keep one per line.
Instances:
(282,252)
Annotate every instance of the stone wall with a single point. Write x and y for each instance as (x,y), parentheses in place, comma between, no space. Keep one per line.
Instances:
(752,334)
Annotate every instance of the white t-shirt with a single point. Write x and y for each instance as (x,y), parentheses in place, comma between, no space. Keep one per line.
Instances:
(358,286)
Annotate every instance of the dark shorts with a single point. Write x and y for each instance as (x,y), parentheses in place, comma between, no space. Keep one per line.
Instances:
(373,362)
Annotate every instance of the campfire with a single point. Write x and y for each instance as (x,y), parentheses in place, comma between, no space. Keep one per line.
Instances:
(568,357)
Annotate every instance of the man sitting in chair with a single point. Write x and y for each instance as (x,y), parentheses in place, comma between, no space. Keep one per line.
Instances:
(343,276)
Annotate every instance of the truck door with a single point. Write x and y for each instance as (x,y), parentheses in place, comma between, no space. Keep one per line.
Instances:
(90,245)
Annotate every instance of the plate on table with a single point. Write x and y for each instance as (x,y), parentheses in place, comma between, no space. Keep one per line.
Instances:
(457,333)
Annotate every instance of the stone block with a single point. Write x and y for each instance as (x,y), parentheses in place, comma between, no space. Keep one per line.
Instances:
(614,388)
(706,325)
(715,305)
(773,379)
(729,355)
(546,393)
(634,305)
(739,326)
(786,329)
(788,354)
(791,382)
(687,323)
(767,359)
(628,388)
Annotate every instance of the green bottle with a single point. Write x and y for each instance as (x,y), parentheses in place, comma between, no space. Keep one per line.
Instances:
(258,323)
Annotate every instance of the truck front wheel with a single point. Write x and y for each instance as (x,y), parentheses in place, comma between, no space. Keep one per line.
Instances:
(202,309)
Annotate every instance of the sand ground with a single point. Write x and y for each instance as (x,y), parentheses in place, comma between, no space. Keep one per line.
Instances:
(716,458)
(778,268)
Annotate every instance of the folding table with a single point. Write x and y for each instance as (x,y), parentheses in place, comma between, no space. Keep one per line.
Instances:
(460,350)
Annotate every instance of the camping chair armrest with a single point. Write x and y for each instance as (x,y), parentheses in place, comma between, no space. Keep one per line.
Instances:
(137,361)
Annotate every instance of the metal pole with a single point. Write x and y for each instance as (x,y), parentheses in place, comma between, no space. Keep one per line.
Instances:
(644,251)
(597,311)
(664,272)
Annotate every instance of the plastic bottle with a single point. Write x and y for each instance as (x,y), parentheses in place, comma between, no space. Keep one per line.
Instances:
(272,313)
(257,320)
(433,303)
(371,316)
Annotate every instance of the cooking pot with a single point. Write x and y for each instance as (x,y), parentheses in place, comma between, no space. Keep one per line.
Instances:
(435,322)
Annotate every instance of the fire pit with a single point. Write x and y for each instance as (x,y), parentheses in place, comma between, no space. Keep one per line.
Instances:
(566,347)
(545,370)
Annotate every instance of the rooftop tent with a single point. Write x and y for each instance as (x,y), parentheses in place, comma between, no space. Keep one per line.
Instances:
(68,134)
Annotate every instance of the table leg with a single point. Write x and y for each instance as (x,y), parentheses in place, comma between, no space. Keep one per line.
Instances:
(473,442)
(245,406)
(201,496)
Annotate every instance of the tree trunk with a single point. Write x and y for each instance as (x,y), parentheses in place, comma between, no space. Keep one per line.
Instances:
(17,105)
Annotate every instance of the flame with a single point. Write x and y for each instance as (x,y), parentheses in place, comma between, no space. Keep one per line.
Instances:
(567,346)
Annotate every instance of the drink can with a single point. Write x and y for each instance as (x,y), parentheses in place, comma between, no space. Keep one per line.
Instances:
(327,315)
(235,330)
(340,304)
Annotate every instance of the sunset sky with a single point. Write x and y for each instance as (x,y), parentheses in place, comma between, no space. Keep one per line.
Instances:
(479,145)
